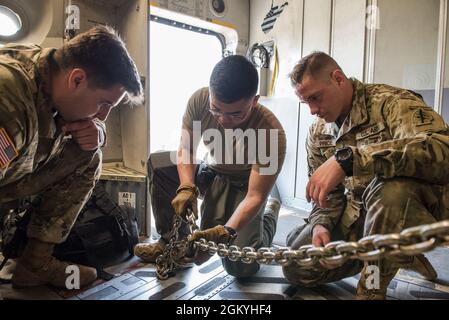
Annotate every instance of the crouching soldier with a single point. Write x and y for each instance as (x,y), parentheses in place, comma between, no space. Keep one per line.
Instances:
(236,177)
(378,161)
(52,107)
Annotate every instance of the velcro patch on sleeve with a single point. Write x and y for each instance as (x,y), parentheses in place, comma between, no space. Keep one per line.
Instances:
(422,117)
(8,151)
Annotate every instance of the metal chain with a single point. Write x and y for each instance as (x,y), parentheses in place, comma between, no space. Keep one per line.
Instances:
(170,259)
(176,250)
(410,242)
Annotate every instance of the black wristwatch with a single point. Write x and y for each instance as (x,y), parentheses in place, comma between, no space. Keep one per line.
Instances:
(345,159)
(232,234)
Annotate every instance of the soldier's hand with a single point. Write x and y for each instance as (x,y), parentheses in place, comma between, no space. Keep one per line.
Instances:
(320,236)
(186,198)
(217,234)
(325,179)
(86,133)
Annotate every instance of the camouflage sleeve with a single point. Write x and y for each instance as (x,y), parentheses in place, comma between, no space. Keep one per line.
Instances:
(15,123)
(327,217)
(12,138)
(419,149)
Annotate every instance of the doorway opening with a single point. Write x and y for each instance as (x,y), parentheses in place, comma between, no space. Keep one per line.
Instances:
(181,60)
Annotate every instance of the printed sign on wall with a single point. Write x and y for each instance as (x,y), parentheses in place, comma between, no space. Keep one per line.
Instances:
(127,199)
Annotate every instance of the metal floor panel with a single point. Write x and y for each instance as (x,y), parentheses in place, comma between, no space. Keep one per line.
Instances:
(253,291)
(137,281)
(212,282)
(211,288)
(268,284)
(113,289)
(183,282)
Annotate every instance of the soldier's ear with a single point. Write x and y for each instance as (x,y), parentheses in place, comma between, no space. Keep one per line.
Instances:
(338,77)
(77,78)
(256,100)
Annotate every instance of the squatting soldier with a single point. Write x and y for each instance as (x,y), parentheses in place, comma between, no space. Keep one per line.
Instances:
(378,161)
(234,189)
(52,104)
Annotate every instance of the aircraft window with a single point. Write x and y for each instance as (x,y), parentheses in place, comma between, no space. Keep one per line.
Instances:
(10,22)
(181,62)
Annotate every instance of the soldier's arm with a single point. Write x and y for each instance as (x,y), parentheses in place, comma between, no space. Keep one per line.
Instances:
(8,150)
(258,190)
(187,157)
(419,149)
(327,217)
(13,128)
(261,181)
(186,162)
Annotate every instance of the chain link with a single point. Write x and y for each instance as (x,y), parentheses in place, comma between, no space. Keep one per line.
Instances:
(410,242)
(175,250)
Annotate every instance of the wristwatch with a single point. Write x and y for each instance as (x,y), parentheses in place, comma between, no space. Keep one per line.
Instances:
(345,159)
(232,234)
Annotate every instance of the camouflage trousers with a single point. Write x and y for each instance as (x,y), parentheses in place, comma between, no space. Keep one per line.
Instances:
(388,206)
(64,183)
(221,195)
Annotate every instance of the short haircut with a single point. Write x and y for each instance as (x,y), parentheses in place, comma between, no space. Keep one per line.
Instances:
(102,54)
(313,65)
(234,78)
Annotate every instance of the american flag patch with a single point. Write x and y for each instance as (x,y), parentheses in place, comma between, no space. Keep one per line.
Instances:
(7,150)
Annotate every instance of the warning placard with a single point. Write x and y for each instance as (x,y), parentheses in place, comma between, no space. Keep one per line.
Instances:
(127,199)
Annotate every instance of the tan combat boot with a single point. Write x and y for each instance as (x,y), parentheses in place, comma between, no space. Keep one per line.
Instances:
(423,266)
(380,293)
(419,264)
(37,267)
(149,252)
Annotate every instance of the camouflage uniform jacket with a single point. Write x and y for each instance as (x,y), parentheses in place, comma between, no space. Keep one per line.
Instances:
(392,133)
(28,121)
